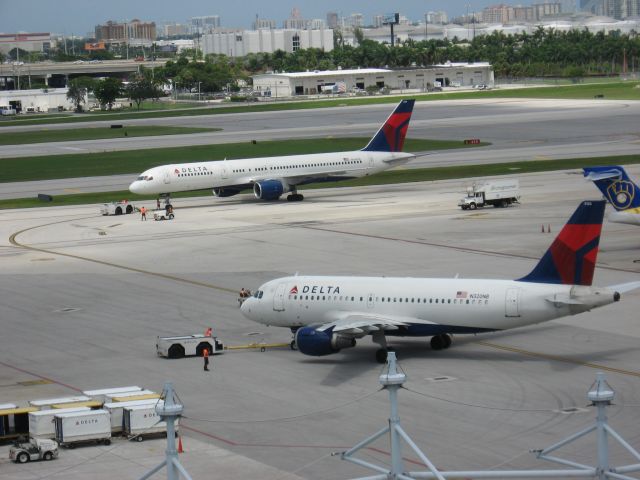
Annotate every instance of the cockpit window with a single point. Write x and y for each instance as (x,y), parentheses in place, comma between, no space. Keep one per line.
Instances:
(149,179)
(142,177)
(258,294)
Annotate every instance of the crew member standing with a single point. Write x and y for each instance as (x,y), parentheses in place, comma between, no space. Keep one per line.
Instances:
(205,354)
(143,211)
(208,332)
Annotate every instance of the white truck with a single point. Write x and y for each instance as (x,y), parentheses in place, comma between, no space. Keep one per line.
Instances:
(117,208)
(499,193)
(79,427)
(181,346)
(36,449)
(163,214)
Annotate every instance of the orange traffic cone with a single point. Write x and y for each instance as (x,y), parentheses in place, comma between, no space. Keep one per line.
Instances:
(180,450)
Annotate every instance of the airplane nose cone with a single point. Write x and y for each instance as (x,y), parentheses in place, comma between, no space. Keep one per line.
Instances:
(245,308)
(135,187)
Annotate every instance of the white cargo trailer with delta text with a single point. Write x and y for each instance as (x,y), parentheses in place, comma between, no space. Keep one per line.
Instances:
(101,393)
(77,427)
(143,420)
(499,193)
(47,403)
(42,425)
(116,409)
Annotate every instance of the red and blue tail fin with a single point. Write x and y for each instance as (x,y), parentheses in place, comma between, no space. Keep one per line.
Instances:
(390,137)
(615,185)
(571,259)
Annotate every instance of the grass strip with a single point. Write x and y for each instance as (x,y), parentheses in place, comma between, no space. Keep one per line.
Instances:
(614,91)
(384,178)
(94,133)
(50,167)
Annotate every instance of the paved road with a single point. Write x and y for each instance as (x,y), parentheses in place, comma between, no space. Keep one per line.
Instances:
(518,129)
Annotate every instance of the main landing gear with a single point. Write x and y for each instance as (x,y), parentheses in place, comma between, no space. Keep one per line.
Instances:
(294,196)
(381,353)
(441,342)
(293,344)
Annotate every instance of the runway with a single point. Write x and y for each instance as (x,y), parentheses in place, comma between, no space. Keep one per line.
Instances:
(84,297)
(518,129)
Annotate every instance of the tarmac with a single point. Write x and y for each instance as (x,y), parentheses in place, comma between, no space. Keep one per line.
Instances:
(84,297)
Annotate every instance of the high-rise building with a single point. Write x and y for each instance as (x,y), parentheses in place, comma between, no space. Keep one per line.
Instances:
(378,21)
(332,20)
(439,17)
(205,24)
(175,29)
(356,20)
(264,23)
(134,31)
(621,9)
(295,21)
(497,14)
(542,10)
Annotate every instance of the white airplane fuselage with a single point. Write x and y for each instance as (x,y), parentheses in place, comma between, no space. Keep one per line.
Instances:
(291,170)
(427,305)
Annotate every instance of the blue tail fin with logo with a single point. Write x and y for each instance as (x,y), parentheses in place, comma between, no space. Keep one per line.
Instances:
(571,258)
(390,137)
(615,185)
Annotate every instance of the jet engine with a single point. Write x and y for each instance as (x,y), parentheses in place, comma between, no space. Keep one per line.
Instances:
(317,343)
(225,192)
(268,189)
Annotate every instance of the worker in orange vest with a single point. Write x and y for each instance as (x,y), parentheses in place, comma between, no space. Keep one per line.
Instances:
(143,211)
(205,354)
(208,332)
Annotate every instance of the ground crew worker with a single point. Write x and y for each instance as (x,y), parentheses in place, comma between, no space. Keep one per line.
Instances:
(205,354)
(143,211)
(158,203)
(208,332)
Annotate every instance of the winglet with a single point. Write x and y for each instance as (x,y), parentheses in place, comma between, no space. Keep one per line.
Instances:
(571,258)
(390,137)
(615,185)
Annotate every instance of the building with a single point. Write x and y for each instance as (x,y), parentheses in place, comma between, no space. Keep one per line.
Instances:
(332,20)
(439,17)
(542,10)
(621,9)
(238,43)
(30,42)
(263,23)
(33,101)
(176,30)
(497,14)
(133,32)
(417,79)
(205,24)
(295,21)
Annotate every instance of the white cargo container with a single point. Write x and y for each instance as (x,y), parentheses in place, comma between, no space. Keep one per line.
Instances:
(142,420)
(122,397)
(94,425)
(42,425)
(499,193)
(116,409)
(100,394)
(46,403)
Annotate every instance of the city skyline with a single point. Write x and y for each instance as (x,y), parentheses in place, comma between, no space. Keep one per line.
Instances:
(64,16)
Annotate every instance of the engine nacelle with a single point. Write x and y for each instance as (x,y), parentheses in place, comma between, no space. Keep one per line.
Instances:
(225,192)
(268,189)
(313,342)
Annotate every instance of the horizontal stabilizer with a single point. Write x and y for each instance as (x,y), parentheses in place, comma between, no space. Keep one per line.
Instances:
(564,300)
(624,287)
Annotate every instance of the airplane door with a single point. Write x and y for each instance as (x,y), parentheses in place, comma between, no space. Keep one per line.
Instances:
(167,176)
(278,298)
(370,298)
(223,172)
(511,302)
(371,163)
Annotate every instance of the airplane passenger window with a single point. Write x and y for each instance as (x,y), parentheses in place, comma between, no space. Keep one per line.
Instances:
(352,299)
(467,302)
(436,300)
(400,300)
(383,299)
(449,301)
(311,297)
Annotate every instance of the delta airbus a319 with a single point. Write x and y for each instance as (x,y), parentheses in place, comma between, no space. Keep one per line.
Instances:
(329,313)
(271,177)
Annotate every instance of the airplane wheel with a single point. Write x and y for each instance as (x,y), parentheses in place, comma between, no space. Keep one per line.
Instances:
(437,343)
(381,355)
(447,340)
(293,345)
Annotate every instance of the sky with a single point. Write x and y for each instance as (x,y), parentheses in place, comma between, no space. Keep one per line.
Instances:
(79,17)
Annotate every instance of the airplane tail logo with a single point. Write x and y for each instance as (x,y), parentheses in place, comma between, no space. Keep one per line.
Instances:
(390,137)
(571,259)
(615,185)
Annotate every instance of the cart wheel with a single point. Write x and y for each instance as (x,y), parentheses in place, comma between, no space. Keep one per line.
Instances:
(139,438)
(107,441)
(23,457)
(47,456)
(262,349)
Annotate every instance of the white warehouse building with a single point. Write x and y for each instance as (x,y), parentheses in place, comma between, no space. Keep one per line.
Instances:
(34,101)
(420,79)
(241,42)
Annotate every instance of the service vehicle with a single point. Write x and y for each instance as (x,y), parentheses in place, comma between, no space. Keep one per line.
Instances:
(499,193)
(79,427)
(41,424)
(163,214)
(187,345)
(35,449)
(117,208)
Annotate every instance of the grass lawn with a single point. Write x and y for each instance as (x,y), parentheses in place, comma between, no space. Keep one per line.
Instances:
(389,177)
(135,161)
(93,133)
(612,91)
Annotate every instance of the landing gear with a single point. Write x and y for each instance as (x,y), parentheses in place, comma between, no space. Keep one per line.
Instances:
(441,342)
(294,196)
(167,201)
(381,353)
(293,344)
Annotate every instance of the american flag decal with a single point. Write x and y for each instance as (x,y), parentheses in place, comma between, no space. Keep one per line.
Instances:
(460,294)
(293,291)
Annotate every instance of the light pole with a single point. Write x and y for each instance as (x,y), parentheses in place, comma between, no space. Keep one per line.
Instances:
(199,83)
(426,26)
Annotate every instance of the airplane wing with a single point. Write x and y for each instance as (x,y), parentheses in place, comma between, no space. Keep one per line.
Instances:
(360,324)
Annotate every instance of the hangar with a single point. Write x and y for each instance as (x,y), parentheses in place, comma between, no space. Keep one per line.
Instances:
(36,101)
(415,78)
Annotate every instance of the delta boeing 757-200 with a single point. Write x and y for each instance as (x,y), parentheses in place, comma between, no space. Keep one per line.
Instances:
(328,313)
(271,177)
